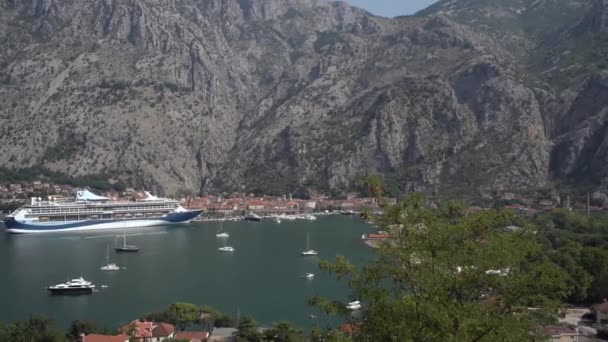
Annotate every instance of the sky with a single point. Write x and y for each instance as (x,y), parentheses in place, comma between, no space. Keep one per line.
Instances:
(391,8)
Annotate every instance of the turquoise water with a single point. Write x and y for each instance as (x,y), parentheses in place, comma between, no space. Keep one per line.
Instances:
(180,264)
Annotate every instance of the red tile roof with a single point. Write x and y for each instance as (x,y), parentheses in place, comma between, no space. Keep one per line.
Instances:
(105,338)
(150,329)
(163,330)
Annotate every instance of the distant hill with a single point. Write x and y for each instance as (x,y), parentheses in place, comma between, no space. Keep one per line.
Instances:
(467,97)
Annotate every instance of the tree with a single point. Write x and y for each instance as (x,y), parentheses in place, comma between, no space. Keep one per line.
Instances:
(331,335)
(595,261)
(450,275)
(179,314)
(78,328)
(283,332)
(184,314)
(35,329)
(223,321)
(248,330)
(568,257)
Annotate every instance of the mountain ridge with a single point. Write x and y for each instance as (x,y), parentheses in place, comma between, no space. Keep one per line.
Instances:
(280,96)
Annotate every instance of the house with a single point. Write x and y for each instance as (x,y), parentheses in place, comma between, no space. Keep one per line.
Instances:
(347,204)
(105,338)
(223,335)
(256,205)
(192,336)
(560,334)
(291,204)
(601,313)
(149,331)
(310,205)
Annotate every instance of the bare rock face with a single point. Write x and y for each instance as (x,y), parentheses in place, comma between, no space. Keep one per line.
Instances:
(189,96)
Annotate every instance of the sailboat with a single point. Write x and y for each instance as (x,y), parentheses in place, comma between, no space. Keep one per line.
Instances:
(220,233)
(125,247)
(108,266)
(308,251)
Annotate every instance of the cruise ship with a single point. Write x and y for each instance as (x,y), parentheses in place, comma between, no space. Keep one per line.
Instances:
(89,211)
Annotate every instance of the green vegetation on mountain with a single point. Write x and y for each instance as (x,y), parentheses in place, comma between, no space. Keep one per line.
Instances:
(40,173)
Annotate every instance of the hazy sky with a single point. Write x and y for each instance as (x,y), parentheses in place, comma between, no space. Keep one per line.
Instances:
(391,8)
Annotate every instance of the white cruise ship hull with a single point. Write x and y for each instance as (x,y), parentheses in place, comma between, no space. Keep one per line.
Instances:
(14,225)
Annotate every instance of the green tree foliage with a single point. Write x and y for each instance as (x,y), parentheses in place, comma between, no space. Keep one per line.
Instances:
(35,329)
(99,181)
(223,321)
(283,332)
(183,315)
(10,206)
(450,275)
(595,261)
(248,330)
(579,244)
(179,314)
(77,328)
(331,335)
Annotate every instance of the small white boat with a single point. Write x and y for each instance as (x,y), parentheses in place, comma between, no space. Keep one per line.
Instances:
(226,249)
(109,266)
(277,220)
(356,305)
(308,251)
(309,275)
(221,233)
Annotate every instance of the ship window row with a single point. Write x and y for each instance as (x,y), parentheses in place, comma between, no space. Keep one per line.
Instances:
(96,213)
(96,217)
(64,210)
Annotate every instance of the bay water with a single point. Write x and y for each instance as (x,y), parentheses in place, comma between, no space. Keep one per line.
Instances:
(262,278)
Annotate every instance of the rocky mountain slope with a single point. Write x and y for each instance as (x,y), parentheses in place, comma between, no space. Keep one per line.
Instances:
(468,97)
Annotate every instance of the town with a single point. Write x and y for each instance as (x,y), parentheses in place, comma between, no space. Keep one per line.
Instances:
(226,205)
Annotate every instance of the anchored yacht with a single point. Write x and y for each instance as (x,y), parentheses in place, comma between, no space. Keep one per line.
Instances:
(74,286)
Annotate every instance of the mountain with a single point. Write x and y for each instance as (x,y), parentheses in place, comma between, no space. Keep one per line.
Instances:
(467,97)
